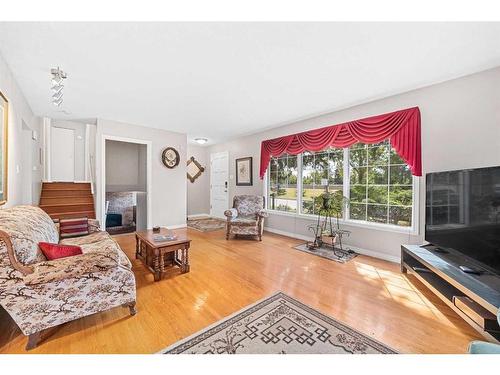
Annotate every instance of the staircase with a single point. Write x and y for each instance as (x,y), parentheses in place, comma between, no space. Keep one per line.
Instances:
(62,200)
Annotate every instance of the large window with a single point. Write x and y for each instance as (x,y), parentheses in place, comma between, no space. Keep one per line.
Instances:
(319,169)
(381,188)
(379,184)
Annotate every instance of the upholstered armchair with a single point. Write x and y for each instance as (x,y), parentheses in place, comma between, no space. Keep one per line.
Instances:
(246,217)
(40,294)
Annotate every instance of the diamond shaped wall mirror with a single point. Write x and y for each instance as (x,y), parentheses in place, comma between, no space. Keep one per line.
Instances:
(194,169)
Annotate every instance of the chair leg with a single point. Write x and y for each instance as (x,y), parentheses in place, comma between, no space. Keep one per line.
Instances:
(132,307)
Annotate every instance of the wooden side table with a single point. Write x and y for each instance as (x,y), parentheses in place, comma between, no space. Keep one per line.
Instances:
(156,255)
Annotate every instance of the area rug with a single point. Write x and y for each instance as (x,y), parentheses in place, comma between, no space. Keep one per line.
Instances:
(278,324)
(341,256)
(206,225)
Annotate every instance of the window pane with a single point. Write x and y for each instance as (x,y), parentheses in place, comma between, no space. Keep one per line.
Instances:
(378,155)
(400,216)
(273,165)
(377,194)
(281,171)
(358,176)
(336,168)
(358,194)
(283,184)
(273,178)
(357,158)
(400,175)
(377,213)
(320,167)
(400,195)
(395,158)
(292,171)
(358,146)
(358,211)
(378,175)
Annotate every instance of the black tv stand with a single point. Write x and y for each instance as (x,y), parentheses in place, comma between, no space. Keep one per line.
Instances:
(475,298)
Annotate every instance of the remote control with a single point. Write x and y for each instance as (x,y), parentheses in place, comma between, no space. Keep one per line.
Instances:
(473,271)
(439,250)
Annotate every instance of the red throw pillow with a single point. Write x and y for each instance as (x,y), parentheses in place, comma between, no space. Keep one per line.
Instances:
(55,251)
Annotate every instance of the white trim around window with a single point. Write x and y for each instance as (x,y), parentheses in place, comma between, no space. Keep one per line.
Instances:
(412,230)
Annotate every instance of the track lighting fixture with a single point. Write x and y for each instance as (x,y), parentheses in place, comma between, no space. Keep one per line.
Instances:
(57,80)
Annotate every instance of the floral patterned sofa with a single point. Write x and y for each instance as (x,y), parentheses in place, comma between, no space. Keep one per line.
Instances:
(40,294)
(246,217)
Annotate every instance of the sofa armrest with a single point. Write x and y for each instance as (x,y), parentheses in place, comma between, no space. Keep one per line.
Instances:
(94,225)
(231,213)
(74,266)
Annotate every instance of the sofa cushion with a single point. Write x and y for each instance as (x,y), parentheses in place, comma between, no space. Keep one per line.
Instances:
(65,268)
(247,220)
(55,251)
(99,241)
(26,227)
(85,240)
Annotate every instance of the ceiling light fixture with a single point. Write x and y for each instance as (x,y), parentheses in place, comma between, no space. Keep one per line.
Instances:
(57,80)
(201,141)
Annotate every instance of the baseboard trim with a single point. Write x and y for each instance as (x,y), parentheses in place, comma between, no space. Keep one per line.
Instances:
(371,253)
(197,216)
(178,226)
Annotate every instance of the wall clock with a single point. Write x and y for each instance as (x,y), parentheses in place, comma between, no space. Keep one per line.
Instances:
(170,157)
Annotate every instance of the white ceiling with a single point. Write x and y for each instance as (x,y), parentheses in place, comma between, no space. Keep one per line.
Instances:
(222,80)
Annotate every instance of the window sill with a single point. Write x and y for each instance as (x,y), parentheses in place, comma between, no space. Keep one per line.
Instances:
(352,223)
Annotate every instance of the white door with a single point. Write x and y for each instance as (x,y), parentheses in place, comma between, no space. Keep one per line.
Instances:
(62,154)
(219,195)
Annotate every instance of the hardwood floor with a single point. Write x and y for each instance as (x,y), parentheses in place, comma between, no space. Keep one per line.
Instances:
(367,294)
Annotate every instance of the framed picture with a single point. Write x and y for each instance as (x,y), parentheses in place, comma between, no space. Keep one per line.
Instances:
(193,169)
(4,117)
(244,172)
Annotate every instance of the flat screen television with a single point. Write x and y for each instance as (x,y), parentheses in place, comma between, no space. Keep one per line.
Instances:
(463,214)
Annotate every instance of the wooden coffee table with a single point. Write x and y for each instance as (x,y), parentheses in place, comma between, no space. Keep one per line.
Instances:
(156,255)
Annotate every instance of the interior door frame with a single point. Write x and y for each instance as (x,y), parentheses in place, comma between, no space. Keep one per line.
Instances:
(227,195)
(149,159)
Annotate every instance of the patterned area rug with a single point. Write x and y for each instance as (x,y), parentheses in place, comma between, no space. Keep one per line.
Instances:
(278,325)
(206,225)
(341,256)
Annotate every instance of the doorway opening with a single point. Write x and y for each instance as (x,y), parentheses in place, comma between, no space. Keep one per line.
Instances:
(126,185)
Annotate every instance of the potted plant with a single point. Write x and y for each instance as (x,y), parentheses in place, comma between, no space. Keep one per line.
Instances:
(331,204)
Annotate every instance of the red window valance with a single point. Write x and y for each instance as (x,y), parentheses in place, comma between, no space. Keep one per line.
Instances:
(402,128)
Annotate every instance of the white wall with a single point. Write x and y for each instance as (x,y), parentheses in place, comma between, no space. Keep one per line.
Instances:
(460,129)
(198,192)
(19,111)
(168,185)
(125,166)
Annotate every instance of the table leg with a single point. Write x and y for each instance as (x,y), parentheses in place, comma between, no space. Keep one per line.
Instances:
(185,261)
(156,265)
(162,262)
(137,245)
